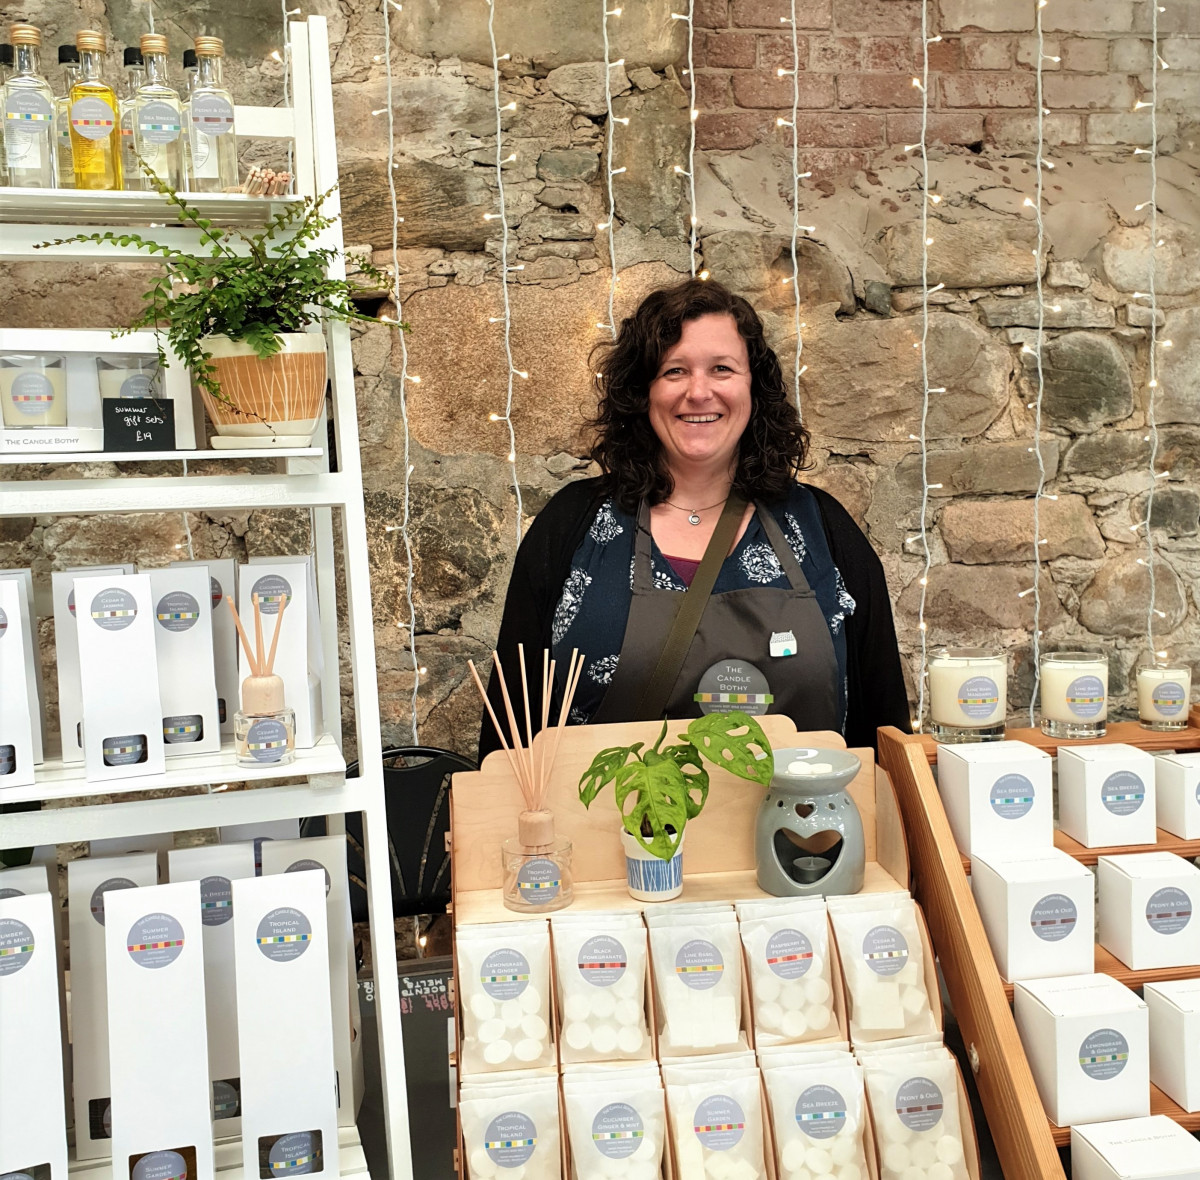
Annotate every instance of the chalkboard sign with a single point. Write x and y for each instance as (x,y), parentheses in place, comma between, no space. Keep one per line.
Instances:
(138,424)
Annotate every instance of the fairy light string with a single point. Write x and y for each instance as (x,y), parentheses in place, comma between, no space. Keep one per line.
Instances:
(609,171)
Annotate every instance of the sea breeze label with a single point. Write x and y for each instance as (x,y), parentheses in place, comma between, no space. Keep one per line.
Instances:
(1103,1054)
(919,1104)
(602,960)
(1123,792)
(885,950)
(821,1112)
(216,900)
(1053,917)
(789,954)
(1011,796)
(978,697)
(504,974)
(699,965)
(719,1123)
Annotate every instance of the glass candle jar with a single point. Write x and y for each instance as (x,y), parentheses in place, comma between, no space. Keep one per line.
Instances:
(1074,694)
(967,694)
(128,377)
(1164,695)
(33,389)
(537,880)
(265,739)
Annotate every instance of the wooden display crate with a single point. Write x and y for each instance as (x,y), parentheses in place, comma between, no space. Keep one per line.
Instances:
(1026,1141)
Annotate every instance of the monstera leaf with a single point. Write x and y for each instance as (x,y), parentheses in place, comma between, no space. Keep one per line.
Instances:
(659,789)
(695,777)
(735,742)
(604,769)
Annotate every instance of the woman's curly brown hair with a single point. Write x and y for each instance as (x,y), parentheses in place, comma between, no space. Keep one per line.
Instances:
(774,445)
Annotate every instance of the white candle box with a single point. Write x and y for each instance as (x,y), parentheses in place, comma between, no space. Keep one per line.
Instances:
(1177,794)
(183,645)
(1106,795)
(289,1099)
(260,834)
(1039,913)
(997,795)
(1152,1148)
(16,721)
(328,854)
(33,1121)
(33,662)
(1087,1038)
(1146,909)
(118,678)
(216,867)
(161,1117)
(88,884)
(66,654)
(1174,1036)
(222,574)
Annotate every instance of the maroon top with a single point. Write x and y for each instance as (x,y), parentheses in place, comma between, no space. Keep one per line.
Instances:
(685,567)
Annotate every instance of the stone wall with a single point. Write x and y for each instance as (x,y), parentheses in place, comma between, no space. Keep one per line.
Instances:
(859,285)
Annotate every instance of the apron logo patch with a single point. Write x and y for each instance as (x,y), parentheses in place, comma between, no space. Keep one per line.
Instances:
(783,643)
(733,684)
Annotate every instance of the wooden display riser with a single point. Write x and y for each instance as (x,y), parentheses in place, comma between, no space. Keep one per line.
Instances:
(1129,732)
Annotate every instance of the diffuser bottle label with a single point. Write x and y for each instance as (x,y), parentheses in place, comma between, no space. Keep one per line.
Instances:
(1085,696)
(821,1112)
(92,118)
(177,611)
(885,950)
(272,591)
(28,120)
(212,114)
(617,1131)
(1103,1054)
(510,1139)
(719,1122)
(267,740)
(1123,792)
(159,122)
(1011,796)
(302,866)
(539,881)
(602,960)
(296,1154)
(733,684)
(124,749)
(97,903)
(225,1100)
(284,934)
(978,697)
(1053,917)
(504,974)
(919,1104)
(155,941)
(160,1165)
(699,965)
(16,946)
(183,728)
(113,609)
(1168,911)
(32,394)
(789,954)
(1168,698)
(216,900)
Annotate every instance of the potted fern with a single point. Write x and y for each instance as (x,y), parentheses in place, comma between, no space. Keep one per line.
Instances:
(236,312)
(659,790)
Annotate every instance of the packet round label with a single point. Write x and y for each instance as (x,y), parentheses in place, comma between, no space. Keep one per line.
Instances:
(155,941)
(16,946)
(719,1122)
(821,1112)
(699,965)
(733,684)
(32,393)
(267,740)
(212,114)
(160,1165)
(1053,917)
(1168,910)
(1011,796)
(885,950)
(919,1104)
(216,900)
(617,1131)
(510,1139)
(1103,1054)
(301,866)
(504,974)
(225,1101)
(1168,698)
(96,905)
(113,609)
(1085,696)
(293,1155)
(539,881)
(177,611)
(92,118)
(271,590)
(602,960)
(1123,792)
(978,697)
(284,934)
(159,122)
(789,954)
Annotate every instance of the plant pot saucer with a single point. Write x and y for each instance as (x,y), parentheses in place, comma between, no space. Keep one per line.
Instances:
(240,442)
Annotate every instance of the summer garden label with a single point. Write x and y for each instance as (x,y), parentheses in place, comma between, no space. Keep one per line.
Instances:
(92,118)
(160,1165)
(719,1123)
(155,941)
(32,394)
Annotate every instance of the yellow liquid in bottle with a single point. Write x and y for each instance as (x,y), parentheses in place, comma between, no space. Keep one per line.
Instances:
(95,136)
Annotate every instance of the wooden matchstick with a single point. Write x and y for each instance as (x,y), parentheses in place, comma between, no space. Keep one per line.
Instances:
(495,721)
(242,632)
(258,640)
(526,785)
(283,601)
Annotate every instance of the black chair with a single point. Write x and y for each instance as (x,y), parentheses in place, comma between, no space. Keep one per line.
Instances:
(417,797)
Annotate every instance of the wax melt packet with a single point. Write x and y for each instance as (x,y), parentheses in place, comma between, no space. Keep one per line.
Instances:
(698,978)
(601,974)
(511,1129)
(504,994)
(883,962)
(914,1105)
(818,1109)
(791,976)
(616,1121)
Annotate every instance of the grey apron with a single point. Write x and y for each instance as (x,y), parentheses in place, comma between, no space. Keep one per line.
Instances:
(760,650)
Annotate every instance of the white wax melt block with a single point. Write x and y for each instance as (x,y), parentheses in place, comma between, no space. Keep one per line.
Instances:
(1106,795)
(1153,1148)
(997,795)
(1177,794)
(1174,1036)
(1147,904)
(1087,1040)
(1039,913)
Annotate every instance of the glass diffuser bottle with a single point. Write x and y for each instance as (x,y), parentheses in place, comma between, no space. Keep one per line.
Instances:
(68,58)
(135,75)
(95,143)
(29,148)
(213,139)
(158,118)
(264,729)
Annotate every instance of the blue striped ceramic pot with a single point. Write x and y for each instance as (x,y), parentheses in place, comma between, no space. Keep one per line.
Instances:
(649,877)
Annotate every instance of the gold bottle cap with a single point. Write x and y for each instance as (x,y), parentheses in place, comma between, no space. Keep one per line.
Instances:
(153,43)
(89,39)
(25,35)
(210,47)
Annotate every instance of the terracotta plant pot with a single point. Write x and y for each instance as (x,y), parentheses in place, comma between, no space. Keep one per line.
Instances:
(273,402)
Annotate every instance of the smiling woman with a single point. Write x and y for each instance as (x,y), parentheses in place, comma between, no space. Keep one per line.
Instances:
(697,574)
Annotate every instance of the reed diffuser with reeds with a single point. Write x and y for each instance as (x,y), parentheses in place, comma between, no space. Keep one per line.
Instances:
(537,863)
(264,729)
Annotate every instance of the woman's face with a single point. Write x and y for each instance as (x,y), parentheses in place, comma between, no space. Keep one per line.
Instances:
(700,397)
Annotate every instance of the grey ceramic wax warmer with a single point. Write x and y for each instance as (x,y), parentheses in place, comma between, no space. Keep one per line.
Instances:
(809,838)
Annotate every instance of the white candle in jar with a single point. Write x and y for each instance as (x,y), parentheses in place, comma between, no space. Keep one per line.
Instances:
(1164,694)
(33,391)
(967,688)
(1075,687)
(127,376)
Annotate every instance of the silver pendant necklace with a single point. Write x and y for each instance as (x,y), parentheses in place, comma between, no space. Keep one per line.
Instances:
(694,513)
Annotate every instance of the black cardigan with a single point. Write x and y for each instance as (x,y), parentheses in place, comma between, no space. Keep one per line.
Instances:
(876,694)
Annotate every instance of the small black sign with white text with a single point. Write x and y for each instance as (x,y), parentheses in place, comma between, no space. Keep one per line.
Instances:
(142,425)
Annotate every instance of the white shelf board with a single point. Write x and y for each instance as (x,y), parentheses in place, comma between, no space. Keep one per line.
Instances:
(71,208)
(12,458)
(55,780)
